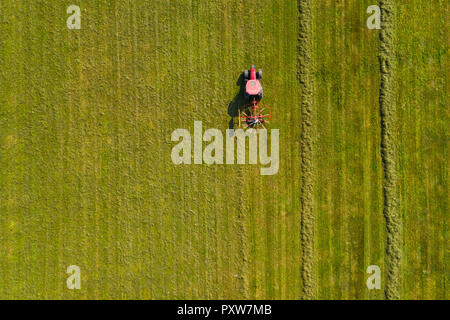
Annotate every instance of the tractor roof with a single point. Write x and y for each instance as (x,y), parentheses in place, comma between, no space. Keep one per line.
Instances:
(253,87)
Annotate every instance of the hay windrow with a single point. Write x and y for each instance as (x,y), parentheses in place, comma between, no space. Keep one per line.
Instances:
(388,154)
(305,77)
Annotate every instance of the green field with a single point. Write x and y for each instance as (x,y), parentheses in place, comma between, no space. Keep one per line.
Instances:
(86,176)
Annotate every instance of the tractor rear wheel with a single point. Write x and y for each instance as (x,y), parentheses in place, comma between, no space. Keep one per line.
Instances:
(259,74)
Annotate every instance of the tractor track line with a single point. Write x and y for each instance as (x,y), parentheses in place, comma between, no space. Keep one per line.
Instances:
(391,210)
(305,77)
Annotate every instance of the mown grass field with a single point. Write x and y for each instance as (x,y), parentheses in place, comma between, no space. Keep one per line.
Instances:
(86,176)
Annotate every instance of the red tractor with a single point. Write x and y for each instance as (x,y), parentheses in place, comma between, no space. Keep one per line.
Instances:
(253,115)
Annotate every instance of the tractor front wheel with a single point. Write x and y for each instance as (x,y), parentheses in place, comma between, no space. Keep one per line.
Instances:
(259,74)
(245,74)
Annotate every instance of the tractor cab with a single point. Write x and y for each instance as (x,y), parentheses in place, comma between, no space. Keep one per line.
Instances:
(253,88)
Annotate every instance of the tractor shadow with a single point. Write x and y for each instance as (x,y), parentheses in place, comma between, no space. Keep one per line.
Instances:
(238,102)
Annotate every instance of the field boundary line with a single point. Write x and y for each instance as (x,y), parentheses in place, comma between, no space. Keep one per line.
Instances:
(305,77)
(391,209)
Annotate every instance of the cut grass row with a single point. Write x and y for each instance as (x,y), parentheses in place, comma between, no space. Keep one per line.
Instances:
(388,148)
(305,76)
